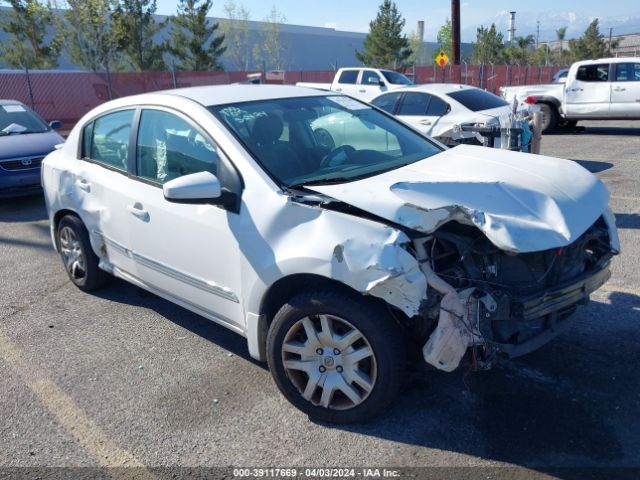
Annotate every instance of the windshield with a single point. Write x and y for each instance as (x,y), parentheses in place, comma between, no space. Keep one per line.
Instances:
(17,119)
(476,100)
(396,78)
(321,140)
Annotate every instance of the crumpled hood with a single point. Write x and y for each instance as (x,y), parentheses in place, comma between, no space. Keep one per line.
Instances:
(28,144)
(522,202)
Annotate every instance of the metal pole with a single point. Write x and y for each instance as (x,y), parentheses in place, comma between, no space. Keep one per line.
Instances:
(109,82)
(173,74)
(537,133)
(33,106)
(455,32)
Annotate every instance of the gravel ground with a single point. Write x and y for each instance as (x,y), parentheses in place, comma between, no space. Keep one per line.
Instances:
(124,378)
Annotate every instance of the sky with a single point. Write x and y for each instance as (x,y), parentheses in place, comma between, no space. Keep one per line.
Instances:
(355,15)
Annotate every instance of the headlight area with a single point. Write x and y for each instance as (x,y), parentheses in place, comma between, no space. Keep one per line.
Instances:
(495,304)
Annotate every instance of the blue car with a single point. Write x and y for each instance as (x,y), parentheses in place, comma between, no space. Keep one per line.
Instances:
(25,139)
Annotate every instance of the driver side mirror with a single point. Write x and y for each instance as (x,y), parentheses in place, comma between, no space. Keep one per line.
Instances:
(381,83)
(55,124)
(201,187)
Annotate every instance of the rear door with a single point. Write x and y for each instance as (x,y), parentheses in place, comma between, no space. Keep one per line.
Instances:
(625,90)
(588,95)
(103,186)
(348,82)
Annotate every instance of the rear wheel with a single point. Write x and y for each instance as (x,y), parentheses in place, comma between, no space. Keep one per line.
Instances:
(549,117)
(336,357)
(79,259)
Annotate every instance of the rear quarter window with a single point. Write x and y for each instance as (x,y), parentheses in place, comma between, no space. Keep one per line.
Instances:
(477,100)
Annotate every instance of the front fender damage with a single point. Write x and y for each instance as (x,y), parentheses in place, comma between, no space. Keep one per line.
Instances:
(383,269)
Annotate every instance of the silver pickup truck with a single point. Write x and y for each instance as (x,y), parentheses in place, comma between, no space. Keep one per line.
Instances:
(604,89)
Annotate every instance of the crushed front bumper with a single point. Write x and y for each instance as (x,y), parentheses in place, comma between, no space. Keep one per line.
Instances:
(542,317)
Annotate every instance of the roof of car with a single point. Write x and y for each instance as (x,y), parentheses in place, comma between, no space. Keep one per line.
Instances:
(9,102)
(441,88)
(235,93)
(608,60)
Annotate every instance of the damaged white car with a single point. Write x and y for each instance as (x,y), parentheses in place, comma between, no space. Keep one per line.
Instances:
(331,256)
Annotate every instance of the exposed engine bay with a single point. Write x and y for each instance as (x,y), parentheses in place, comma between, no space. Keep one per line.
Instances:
(501,303)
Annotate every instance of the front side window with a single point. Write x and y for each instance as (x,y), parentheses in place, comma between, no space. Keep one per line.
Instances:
(370,78)
(628,72)
(387,102)
(414,104)
(110,139)
(169,147)
(331,139)
(593,73)
(349,77)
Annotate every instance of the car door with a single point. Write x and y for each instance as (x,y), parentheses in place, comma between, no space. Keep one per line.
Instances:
(348,82)
(422,111)
(588,95)
(625,90)
(186,252)
(371,85)
(102,185)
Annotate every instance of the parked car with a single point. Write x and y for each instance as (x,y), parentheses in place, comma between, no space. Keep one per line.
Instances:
(440,109)
(333,258)
(604,89)
(560,76)
(362,83)
(25,139)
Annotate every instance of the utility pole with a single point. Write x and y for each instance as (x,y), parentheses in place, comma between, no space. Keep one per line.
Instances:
(610,33)
(455,32)
(537,34)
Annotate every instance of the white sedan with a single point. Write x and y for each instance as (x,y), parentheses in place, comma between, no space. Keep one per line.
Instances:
(440,109)
(332,256)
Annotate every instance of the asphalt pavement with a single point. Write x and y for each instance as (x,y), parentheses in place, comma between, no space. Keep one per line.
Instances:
(122,378)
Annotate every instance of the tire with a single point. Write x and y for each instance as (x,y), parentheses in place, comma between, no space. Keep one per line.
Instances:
(362,385)
(567,124)
(549,117)
(79,259)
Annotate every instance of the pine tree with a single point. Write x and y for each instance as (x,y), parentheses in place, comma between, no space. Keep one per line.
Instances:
(489,45)
(27,24)
(385,45)
(134,29)
(194,41)
(591,45)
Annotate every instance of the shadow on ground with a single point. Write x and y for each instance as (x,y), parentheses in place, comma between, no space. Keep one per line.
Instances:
(628,220)
(23,209)
(573,403)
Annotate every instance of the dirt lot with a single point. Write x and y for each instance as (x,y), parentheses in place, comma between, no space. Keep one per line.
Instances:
(124,378)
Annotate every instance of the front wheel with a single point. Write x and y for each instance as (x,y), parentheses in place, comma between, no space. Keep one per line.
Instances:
(335,356)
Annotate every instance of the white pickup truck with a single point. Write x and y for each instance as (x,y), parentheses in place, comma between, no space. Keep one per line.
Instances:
(604,89)
(362,83)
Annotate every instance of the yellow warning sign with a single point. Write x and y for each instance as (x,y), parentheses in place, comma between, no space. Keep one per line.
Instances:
(442,59)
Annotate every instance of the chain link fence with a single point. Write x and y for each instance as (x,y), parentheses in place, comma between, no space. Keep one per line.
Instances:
(67,96)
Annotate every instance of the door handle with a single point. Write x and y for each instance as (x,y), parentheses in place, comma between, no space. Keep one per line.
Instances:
(82,184)
(362,91)
(137,210)
(425,122)
(575,90)
(338,89)
(619,89)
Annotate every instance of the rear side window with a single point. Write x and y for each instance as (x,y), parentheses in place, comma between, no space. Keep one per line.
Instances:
(348,76)
(593,73)
(628,72)
(109,136)
(415,104)
(477,100)
(169,147)
(387,102)
(437,107)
